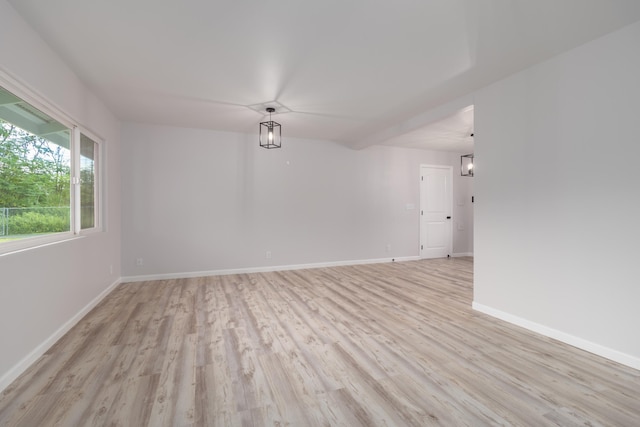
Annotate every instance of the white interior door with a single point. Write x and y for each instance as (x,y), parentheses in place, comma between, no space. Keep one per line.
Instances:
(436,194)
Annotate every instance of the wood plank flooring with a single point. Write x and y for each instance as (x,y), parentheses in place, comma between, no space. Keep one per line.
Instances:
(373,345)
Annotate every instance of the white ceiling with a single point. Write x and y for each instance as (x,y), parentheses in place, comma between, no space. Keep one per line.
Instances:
(356,72)
(451,133)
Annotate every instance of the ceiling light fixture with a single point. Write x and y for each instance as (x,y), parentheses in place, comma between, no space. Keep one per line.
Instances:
(271,135)
(466,165)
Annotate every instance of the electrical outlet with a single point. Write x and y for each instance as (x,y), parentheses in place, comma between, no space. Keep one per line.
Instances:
(267,255)
(111,269)
(139,262)
(388,248)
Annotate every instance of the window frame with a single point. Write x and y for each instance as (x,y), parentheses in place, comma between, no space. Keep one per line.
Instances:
(36,100)
(76,182)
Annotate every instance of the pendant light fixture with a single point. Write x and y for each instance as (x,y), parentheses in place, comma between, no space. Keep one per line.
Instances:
(270,132)
(466,165)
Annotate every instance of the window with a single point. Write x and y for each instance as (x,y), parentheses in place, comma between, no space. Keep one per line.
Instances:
(48,176)
(88,152)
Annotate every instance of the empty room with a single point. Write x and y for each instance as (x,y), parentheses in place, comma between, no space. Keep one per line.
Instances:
(284,213)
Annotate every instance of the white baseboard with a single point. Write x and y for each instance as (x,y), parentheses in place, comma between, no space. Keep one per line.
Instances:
(29,359)
(185,275)
(564,337)
(461,254)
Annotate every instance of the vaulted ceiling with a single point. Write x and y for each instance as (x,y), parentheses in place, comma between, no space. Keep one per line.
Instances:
(356,72)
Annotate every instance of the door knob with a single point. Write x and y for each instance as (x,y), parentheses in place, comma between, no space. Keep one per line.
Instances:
(448,217)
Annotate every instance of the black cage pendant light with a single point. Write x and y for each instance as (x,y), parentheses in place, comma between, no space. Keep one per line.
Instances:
(270,132)
(466,165)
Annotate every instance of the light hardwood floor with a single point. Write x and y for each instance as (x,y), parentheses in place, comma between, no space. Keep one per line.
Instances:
(373,345)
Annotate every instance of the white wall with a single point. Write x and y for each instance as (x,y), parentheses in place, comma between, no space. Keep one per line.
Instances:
(42,289)
(558,197)
(200,200)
